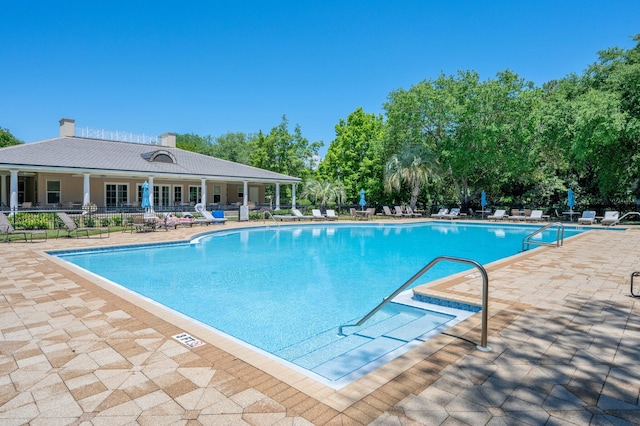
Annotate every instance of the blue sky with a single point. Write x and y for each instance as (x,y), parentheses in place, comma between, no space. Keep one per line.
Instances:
(211,67)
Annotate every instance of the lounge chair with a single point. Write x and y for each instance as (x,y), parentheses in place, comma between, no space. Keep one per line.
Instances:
(282,217)
(299,215)
(516,215)
(440,213)
(401,212)
(316,214)
(411,213)
(171,221)
(588,218)
(217,216)
(74,231)
(331,215)
(453,214)
(498,215)
(535,216)
(7,229)
(387,212)
(610,218)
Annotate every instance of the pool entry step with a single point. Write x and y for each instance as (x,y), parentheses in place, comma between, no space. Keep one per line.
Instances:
(335,357)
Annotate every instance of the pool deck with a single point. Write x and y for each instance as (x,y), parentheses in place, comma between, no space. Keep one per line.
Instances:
(564,333)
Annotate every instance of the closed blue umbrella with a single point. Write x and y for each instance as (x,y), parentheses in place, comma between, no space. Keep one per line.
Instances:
(144,203)
(362,201)
(483,202)
(570,200)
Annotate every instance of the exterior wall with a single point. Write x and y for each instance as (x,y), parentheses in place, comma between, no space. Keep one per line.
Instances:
(72,189)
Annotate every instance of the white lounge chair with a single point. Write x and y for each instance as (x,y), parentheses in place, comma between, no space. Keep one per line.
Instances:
(535,216)
(453,214)
(516,215)
(331,215)
(214,217)
(316,214)
(440,213)
(588,217)
(298,215)
(498,215)
(387,212)
(610,218)
(411,213)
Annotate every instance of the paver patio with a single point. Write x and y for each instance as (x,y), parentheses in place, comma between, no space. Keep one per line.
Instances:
(564,333)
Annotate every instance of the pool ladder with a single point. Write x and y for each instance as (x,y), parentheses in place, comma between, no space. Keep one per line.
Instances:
(268,213)
(485,296)
(526,241)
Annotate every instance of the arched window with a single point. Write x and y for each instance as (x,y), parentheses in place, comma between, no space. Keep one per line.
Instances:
(162,157)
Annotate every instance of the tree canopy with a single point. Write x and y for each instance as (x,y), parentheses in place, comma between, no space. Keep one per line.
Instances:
(7,139)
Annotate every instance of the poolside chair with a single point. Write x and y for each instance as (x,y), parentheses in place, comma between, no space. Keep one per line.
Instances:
(387,212)
(516,215)
(498,215)
(316,214)
(588,217)
(440,213)
(208,217)
(331,215)
(299,215)
(610,218)
(535,216)
(370,212)
(72,229)
(7,229)
(411,213)
(453,214)
(282,217)
(400,212)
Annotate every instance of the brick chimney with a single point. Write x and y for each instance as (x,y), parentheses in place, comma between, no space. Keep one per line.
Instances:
(67,128)
(168,139)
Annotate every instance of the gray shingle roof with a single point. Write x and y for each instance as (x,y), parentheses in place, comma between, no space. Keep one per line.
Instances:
(112,156)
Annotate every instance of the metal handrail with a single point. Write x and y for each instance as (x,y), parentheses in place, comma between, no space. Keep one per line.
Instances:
(264,217)
(623,216)
(485,296)
(559,236)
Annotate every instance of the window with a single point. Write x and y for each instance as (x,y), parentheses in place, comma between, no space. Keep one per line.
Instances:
(240,191)
(116,194)
(177,194)
(195,194)
(216,194)
(53,191)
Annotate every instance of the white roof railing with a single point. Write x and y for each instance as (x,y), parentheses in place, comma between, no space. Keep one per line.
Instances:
(116,135)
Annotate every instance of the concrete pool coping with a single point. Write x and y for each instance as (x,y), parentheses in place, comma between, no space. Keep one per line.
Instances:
(41,352)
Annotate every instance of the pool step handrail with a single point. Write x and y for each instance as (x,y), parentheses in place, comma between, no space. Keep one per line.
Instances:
(485,296)
(623,216)
(264,217)
(559,236)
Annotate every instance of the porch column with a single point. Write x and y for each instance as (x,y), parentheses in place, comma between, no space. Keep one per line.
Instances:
(86,199)
(277,196)
(203,199)
(293,195)
(151,194)
(13,188)
(245,191)
(3,189)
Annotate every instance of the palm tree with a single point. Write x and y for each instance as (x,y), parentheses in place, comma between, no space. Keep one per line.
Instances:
(413,166)
(322,192)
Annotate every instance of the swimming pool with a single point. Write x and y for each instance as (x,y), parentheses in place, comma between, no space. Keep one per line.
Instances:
(286,289)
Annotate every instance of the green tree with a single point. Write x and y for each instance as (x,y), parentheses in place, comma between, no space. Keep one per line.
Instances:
(357,153)
(194,143)
(322,192)
(412,166)
(7,139)
(283,152)
(233,147)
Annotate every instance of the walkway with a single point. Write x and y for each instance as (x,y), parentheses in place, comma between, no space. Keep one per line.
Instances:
(564,332)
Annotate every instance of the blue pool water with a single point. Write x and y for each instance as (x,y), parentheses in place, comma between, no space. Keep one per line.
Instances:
(286,289)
